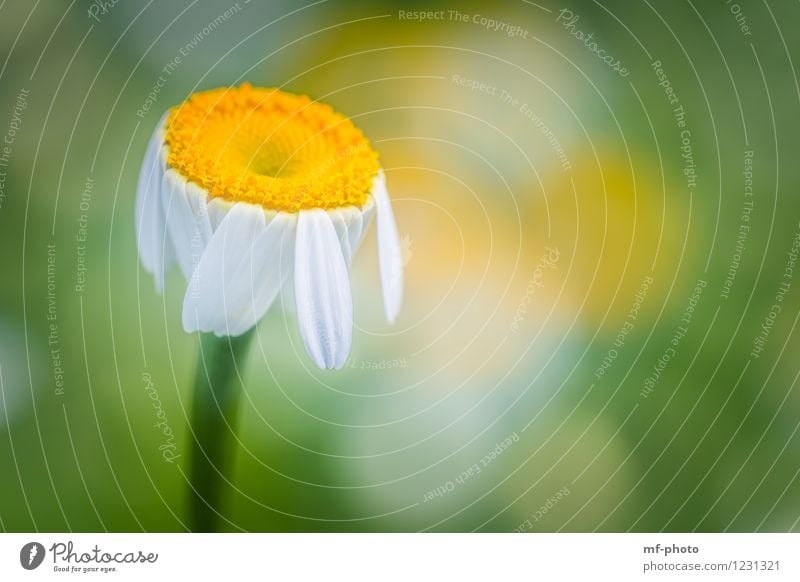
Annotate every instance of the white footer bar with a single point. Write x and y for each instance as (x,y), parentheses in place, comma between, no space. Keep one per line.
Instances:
(379,557)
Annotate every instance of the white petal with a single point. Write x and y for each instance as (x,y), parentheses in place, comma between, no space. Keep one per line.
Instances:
(342,234)
(389,253)
(359,227)
(287,297)
(198,203)
(355,231)
(150,224)
(322,290)
(240,273)
(218,209)
(188,230)
(349,223)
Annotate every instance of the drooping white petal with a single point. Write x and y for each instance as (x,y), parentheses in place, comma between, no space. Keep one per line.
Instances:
(349,223)
(389,254)
(358,225)
(341,227)
(150,222)
(322,290)
(340,222)
(240,273)
(355,230)
(188,230)
(218,209)
(287,301)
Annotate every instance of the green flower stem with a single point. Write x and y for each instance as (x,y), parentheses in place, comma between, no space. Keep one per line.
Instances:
(216,400)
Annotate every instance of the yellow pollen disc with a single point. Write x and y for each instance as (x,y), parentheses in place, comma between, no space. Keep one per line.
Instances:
(268,147)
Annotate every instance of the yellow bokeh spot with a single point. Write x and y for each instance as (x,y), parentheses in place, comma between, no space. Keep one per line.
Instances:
(265,146)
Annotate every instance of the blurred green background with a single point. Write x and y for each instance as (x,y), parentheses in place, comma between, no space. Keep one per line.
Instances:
(553,368)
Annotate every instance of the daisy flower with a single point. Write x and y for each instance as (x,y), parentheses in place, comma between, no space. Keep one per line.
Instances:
(252,191)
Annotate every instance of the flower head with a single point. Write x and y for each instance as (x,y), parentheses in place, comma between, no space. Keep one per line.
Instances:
(252,190)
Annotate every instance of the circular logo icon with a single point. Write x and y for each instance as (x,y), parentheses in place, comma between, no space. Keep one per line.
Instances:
(31,555)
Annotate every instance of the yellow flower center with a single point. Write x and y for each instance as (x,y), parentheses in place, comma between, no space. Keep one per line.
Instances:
(268,147)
